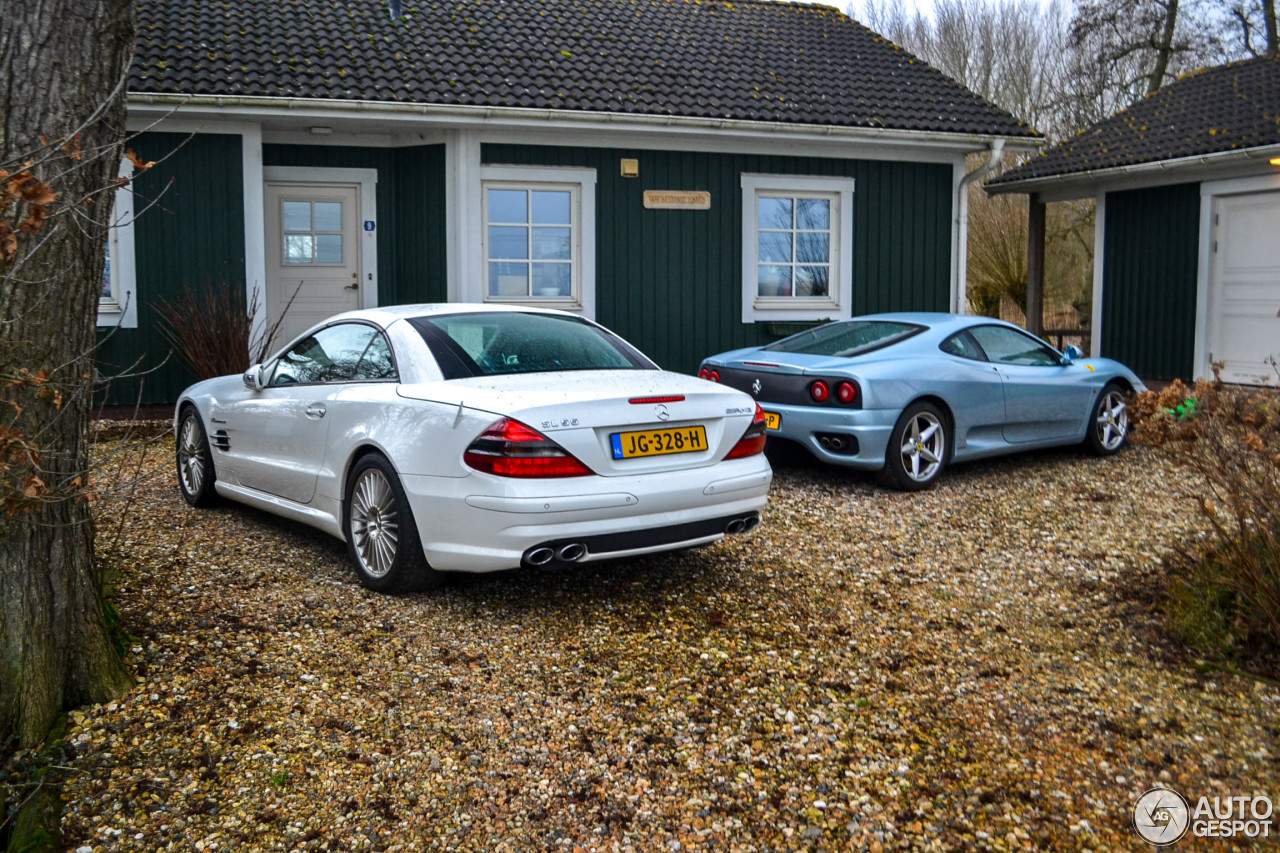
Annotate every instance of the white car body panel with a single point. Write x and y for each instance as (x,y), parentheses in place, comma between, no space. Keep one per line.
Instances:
(288,450)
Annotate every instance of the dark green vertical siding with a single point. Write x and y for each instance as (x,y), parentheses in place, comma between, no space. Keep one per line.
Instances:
(1150,263)
(189,233)
(671,280)
(411,215)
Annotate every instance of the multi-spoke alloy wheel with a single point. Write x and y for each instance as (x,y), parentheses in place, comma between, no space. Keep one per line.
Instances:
(917,449)
(1109,422)
(375,527)
(382,536)
(195,466)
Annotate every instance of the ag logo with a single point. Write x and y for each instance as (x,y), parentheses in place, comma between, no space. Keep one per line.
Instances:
(1161,816)
(755,387)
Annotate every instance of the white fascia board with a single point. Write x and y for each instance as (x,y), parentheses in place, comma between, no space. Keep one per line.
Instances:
(1224,164)
(408,119)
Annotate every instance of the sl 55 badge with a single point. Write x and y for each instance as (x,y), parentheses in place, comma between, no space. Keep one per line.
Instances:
(559,423)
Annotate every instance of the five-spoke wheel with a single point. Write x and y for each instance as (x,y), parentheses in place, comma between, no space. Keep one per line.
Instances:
(917,450)
(1109,421)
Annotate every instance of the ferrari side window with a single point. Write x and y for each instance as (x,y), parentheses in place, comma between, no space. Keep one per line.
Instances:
(1010,346)
(962,345)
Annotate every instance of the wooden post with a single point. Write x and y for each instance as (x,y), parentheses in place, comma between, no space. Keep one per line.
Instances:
(1035,264)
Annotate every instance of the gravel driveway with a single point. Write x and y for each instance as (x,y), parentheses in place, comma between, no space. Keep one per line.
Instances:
(975,666)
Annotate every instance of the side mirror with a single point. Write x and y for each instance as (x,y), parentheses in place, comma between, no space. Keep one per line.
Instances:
(253,378)
(1071,353)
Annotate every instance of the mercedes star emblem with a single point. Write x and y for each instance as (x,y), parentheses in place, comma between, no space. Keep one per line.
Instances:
(661,411)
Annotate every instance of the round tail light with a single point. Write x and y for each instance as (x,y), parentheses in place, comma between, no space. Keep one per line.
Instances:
(703,373)
(846,392)
(714,376)
(820,391)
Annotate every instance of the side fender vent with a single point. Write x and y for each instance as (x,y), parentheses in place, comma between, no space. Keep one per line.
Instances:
(221,440)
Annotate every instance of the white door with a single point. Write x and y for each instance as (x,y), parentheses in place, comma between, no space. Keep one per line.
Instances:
(1244,304)
(313,254)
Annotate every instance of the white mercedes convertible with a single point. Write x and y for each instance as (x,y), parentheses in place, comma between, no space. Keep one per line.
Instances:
(473,438)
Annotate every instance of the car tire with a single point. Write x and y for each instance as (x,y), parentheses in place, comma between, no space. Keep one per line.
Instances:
(1108,421)
(382,536)
(196,474)
(918,449)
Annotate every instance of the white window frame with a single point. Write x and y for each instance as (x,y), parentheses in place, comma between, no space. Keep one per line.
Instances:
(839,301)
(581,183)
(115,310)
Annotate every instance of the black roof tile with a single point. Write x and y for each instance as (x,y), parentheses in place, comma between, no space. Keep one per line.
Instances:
(1227,108)
(749,60)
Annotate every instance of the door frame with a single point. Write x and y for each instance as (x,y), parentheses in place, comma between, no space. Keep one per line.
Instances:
(1209,193)
(367,179)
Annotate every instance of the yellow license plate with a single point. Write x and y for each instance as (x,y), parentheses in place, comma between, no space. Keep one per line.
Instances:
(658,442)
(772,420)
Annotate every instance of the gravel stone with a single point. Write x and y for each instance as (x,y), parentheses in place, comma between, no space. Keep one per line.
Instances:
(978,666)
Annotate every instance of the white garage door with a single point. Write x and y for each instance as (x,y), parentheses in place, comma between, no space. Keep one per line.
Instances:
(1244,296)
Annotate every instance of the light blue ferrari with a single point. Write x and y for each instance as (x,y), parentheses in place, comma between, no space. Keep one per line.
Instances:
(907,394)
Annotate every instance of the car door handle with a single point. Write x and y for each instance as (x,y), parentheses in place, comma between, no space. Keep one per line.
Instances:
(315,410)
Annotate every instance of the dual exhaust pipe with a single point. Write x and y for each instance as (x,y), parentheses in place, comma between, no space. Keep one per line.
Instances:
(742,525)
(571,553)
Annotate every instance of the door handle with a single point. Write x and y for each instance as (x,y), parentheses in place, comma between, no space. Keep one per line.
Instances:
(315,410)
(355,285)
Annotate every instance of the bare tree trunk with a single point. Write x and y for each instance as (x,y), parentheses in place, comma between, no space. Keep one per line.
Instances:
(1269,18)
(1164,48)
(62,67)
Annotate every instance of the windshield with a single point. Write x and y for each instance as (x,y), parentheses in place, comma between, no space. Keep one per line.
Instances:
(493,343)
(847,339)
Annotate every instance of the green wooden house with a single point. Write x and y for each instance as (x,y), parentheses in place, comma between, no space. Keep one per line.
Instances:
(695,174)
(1187,240)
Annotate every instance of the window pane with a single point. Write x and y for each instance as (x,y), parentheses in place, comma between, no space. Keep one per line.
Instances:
(328,248)
(328,216)
(508,206)
(813,248)
(552,244)
(297,249)
(775,247)
(106,274)
(813,214)
(775,281)
(848,338)
(811,281)
(775,212)
(329,355)
(552,280)
(377,362)
(508,279)
(1010,346)
(297,216)
(551,208)
(506,242)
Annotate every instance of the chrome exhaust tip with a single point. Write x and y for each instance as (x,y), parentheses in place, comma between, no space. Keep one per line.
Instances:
(540,556)
(573,552)
(735,526)
(751,523)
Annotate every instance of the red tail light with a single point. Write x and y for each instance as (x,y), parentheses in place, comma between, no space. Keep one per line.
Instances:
(820,391)
(846,392)
(752,441)
(510,449)
(703,373)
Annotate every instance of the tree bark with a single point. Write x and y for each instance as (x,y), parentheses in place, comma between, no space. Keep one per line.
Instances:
(62,70)
(1269,23)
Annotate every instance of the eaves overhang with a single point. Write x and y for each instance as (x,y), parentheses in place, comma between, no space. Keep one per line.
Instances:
(1089,182)
(411,117)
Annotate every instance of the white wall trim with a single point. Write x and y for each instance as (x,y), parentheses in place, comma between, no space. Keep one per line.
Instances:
(122,309)
(959,238)
(1099,269)
(255,238)
(840,303)
(462,215)
(585,179)
(1210,192)
(368,181)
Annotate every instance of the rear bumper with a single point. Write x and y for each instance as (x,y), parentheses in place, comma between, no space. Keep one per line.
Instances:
(481,523)
(869,428)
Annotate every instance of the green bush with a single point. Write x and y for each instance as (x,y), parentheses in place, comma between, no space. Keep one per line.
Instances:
(1224,599)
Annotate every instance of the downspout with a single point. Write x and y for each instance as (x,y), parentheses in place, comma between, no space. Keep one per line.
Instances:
(961,265)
